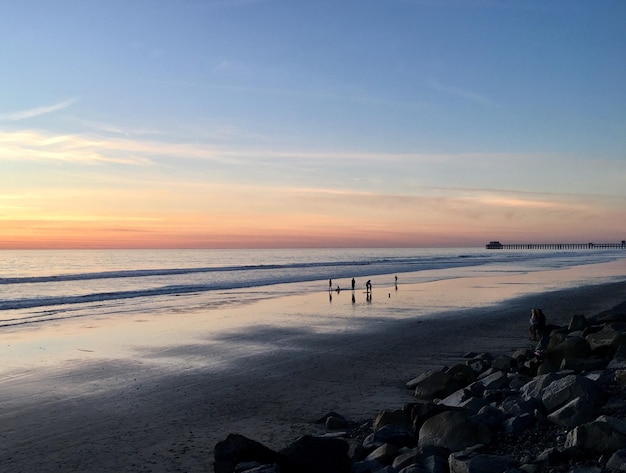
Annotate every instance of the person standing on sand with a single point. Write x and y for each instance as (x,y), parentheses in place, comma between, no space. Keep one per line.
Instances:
(368,286)
(353,283)
(330,284)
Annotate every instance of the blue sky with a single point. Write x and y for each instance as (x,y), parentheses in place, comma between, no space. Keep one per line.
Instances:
(293,123)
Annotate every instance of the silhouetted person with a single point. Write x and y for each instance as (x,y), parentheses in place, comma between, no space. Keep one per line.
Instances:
(368,286)
(330,284)
(353,283)
(396,283)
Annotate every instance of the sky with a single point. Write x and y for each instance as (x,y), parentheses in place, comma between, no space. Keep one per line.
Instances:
(293,123)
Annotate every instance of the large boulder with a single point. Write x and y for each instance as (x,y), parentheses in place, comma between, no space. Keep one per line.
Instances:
(453,430)
(237,449)
(576,412)
(607,340)
(605,434)
(311,454)
(472,462)
(571,347)
(560,392)
(434,384)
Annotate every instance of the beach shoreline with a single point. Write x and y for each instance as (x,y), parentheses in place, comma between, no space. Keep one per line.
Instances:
(129,415)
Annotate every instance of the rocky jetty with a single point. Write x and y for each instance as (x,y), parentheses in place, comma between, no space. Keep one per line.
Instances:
(558,408)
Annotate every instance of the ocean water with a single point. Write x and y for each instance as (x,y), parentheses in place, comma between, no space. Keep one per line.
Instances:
(39,287)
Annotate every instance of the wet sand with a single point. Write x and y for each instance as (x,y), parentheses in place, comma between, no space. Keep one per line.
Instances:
(161,407)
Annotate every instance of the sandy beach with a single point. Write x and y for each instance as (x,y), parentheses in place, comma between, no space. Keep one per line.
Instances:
(161,406)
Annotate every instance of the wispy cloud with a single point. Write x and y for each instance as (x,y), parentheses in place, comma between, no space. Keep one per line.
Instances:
(465,94)
(35,112)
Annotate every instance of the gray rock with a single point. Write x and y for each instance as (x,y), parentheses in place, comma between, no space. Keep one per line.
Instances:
(258,469)
(453,430)
(366,466)
(577,322)
(310,454)
(408,458)
(435,464)
(479,365)
(435,385)
(383,454)
(399,418)
(457,398)
(415,468)
(606,341)
(464,462)
(463,374)
(571,347)
(560,392)
(534,388)
(504,363)
(605,434)
(490,416)
(385,469)
(576,412)
(618,460)
(518,424)
(580,365)
(516,406)
(474,404)
(495,380)
(389,434)
(236,449)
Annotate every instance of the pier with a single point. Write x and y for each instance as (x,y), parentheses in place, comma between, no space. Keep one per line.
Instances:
(496,245)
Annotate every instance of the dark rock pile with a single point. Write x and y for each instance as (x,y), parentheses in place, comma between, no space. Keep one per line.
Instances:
(560,408)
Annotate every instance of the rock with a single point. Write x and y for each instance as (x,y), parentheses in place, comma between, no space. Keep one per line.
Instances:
(518,424)
(581,365)
(577,322)
(576,412)
(516,406)
(605,434)
(435,385)
(464,462)
(453,430)
(435,464)
(400,418)
(474,404)
(457,398)
(495,380)
(366,466)
(335,421)
(606,341)
(311,454)
(463,374)
(242,468)
(237,449)
(490,416)
(384,454)
(617,461)
(408,458)
(503,363)
(562,391)
(534,388)
(389,434)
(479,365)
(416,468)
(571,347)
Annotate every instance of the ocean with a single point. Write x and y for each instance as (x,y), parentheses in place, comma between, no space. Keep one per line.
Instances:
(42,286)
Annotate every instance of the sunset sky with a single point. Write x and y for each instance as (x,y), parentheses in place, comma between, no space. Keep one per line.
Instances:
(293,123)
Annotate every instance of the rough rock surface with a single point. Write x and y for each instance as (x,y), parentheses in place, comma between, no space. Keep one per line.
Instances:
(560,409)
